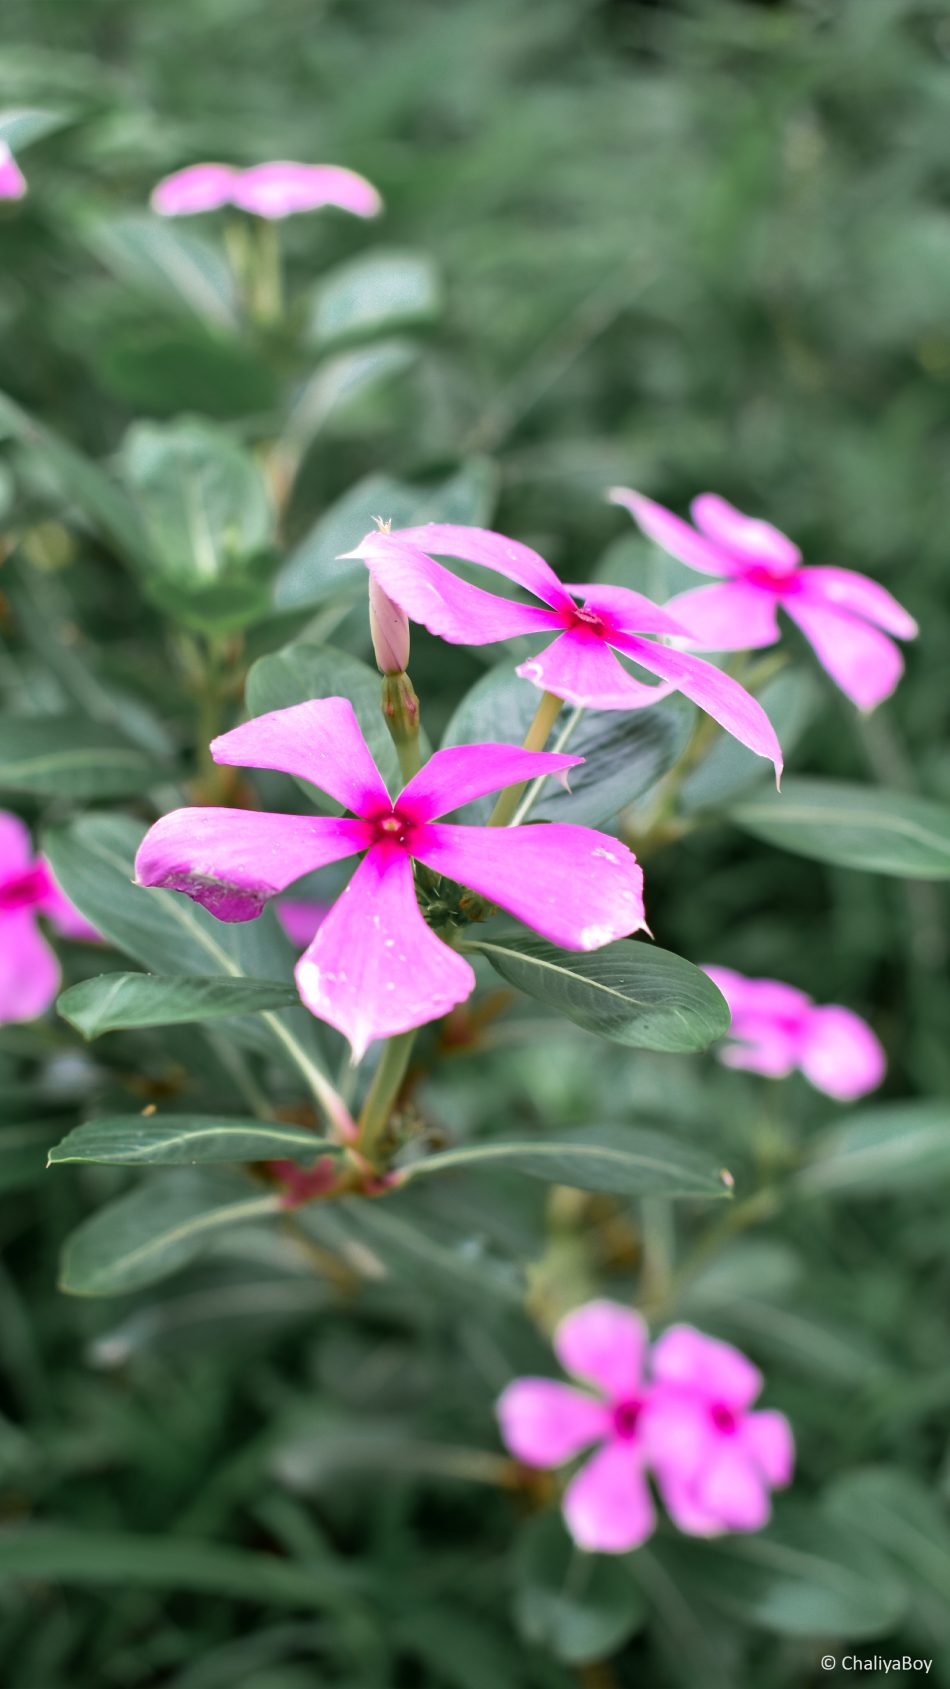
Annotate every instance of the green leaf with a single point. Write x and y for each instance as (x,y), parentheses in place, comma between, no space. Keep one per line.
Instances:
(881,1151)
(853,826)
(791,701)
(907,1521)
(580,1607)
(60,1554)
(166,364)
(23,1152)
(182,1140)
(20,128)
(118,1002)
(630,992)
(303,671)
(342,382)
(377,293)
(154,1230)
(807,1575)
(618,1160)
(170,264)
(626,752)
(205,505)
(314,570)
(69,758)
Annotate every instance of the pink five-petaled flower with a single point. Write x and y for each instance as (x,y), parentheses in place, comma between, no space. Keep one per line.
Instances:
(274,190)
(778,1029)
(29,971)
(841,613)
(375,968)
(12,179)
(715,1462)
(580,666)
(607,1504)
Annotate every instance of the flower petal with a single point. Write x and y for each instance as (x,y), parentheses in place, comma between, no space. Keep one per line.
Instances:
(732,1490)
(449,607)
(605,1344)
(845,589)
(864,662)
(492,551)
(29,971)
(729,616)
(760,998)
(628,612)
(750,540)
(66,918)
(16,850)
(300,917)
(280,188)
(676,1431)
(375,968)
(201,187)
(718,694)
(580,888)
(766,1437)
(682,1505)
(320,741)
(460,773)
(840,1054)
(12,179)
(544,1423)
(580,668)
(232,860)
(716,1370)
(763,1046)
(607,1506)
(674,535)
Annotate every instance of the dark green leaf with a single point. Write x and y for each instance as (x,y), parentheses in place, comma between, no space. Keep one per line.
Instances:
(20,128)
(580,1607)
(157,1228)
(618,1160)
(299,672)
(854,826)
(171,264)
(116,1002)
(881,1151)
(630,992)
(23,1151)
(203,499)
(376,293)
(180,1140)
(67,757)
(907,1521)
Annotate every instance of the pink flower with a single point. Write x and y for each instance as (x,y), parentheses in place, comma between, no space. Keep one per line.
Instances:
(300,917)
(607,1504)
(778,1029)
(12,179)
(29,971)
(579,666)
(841,613)
(271,190)
(375,968)
(714,1460)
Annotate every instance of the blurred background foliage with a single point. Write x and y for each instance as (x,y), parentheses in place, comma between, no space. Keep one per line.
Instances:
(675,245)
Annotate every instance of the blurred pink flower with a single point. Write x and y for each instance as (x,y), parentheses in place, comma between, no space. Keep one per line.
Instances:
(300,917)
(778,1029)
(375,968)
(715,1461)
(29,971)
(607,1505)
(579,666)
(841,613)
(12,179)
(274,190)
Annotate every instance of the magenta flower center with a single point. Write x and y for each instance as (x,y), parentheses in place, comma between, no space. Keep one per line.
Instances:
(394,829)
(25,889)
(773,580)
(626,1415)
(723,1419)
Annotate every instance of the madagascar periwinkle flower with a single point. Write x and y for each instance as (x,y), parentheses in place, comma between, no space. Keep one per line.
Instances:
(841,613)
(580,666)
(778,1029)
(389,631)
(29,971)
(12,179)
(274,190)
(681,1413)
(375,968)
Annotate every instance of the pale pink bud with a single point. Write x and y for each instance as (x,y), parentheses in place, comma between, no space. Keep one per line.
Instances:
(389,627)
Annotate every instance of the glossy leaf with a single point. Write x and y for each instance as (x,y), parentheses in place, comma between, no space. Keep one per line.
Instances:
(181,1140)
(617,1160)
(156,1229)
(579,1607)
(853,826)
(117,1002)
(882,1151)
(67,757)
(375,294)
(630,992)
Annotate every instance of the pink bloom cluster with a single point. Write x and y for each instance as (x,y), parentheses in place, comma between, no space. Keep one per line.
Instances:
(778,1029)
(845,616)
(681,1411)
(375,968)
(29,971)
(12,179)
(274,190)
(580,665)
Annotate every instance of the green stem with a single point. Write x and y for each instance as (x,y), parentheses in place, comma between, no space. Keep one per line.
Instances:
(387,1080)
(535,739)
(400,707)
(534,790)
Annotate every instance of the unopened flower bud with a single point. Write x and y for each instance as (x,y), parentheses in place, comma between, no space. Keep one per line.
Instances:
(389,627)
